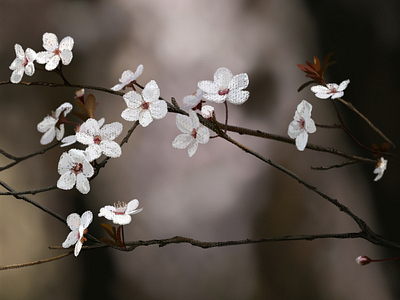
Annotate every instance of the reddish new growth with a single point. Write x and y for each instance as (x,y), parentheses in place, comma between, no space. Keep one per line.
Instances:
(145,105)
(77,168)
(223,92)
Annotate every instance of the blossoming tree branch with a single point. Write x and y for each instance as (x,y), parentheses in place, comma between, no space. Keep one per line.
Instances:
(94,143)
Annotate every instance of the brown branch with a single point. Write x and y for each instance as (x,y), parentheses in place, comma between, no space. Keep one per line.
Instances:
(34,263)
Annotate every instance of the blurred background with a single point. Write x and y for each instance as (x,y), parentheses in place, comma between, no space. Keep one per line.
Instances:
(221,193)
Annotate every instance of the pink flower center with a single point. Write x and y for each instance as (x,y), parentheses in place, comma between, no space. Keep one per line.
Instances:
(25,62)
(57,52)
(145,105)
(82,238)
(223,92)
(302,123)
(194,133)
(333,91)
(97,139)
(78,168)
(120,208)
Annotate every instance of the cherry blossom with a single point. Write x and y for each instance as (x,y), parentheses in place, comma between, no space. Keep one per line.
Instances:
(78,226)
(380,168)
(330,90)
(147,108)
(226,87)
(100,140)
(22,63)
(302,125)
(71,139)
(127,78)
(55,52)
(207,112)
(51,127)
(193,101)
(193,133)
(120,212)
(74,168)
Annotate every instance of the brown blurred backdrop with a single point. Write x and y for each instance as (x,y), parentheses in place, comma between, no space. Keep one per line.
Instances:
(221,193)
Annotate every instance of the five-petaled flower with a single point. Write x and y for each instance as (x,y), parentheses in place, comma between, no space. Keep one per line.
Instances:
(74,168)
(146,108)
(54,51)
(71,139)
(302,125)
(100,140)
(330,90)
(51,127)
(226,87)
(120,212)
(22,63)
(193,133)
(380,168)
(127,78)
(78,226)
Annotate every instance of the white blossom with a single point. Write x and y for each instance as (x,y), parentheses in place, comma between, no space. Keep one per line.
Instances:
(330,90)
(207,112)
(71,139)
(191,101)
(380,168)
(100,140)
(22,63)
(74,168)
(226,87)
(128,77)
(49,125)
(120,212)
(55,52)
(302,125)
(78,226)
(147,108)
(193,133)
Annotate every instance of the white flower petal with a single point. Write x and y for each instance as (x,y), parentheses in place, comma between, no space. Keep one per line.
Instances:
(194,119)
(127,77)
(106,212)
(301,140)
(182,141)
(111,131)
(238,97)
(203,135)
(71,239)
(52,63)
(131,114)
(151,92)
(110,148)
(240,81)
(343,85)
(29,69)
(66,181)
(16,75)
(131,206)
(184,123)
(73,221)
(19,52)
(78,247)
(50,42)
(84,138)
(48,136)
(68,140)
(44,56)
(215,98)
(192,147)
(222,77)
(66,57)
(66,43)
(82,184)
(122,219)
(208,86)
(133,99)
(145,118)
(158,109)
(93,152)
(86,219)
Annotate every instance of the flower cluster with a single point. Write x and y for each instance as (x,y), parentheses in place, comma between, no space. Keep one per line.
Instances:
(51,57)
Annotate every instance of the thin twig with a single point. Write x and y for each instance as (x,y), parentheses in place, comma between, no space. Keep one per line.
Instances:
(349,105)
(34,263)
(324,168)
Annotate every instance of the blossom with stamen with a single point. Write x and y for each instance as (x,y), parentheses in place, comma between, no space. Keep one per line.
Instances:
(127,78)
(225,87)
(147,108)
(120,212)
(74,168)
(100,140)
(51,127)
(71,139)
(380,168)
(193,133)
(55,52)
(78,226)
(330,90)
(302,125)
(22,63)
